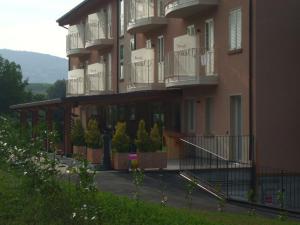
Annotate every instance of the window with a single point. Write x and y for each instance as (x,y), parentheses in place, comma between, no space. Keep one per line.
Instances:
(191,115)
(208,115)
(235,29)
(148,43)
(190,30)
(160,57)
(133,43)
(122,26)
(209,34)
(121,62)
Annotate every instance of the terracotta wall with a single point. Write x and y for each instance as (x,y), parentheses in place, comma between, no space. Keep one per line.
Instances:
(276,79)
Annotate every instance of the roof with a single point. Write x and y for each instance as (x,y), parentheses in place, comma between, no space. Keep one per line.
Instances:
(108,99)
(78,10)
(45,103)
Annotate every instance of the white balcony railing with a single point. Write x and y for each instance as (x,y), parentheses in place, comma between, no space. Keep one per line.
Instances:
(75,83)
(189,64)
(141,73)
(76,38)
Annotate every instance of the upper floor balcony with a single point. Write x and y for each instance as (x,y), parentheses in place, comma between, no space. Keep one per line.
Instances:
(189,65)
(185,8)
(98,33)
(145,15)
(94,80)
(142,70)
(75,41)
(75,83)
(98,79)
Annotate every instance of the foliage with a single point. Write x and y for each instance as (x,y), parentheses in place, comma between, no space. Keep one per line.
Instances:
(142,140)
(57,90)
(77,134)
(155,138)
(191,186)
(93,136)
(138,179)
(12,86)
(120,139)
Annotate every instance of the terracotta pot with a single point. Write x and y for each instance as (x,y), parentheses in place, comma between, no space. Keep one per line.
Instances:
(95,156)
(120,161)
(79,151)
(147,160)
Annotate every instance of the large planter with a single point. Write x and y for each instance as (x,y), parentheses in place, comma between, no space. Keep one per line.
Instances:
(94,156)
(120,161)
(79,151)
(152,160)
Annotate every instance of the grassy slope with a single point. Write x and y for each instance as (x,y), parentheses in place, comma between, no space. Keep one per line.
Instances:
(17,207)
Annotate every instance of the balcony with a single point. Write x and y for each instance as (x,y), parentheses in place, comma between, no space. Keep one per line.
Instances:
(98,80)
(145,15)
(98,31)
(190,67)
(185,8)
(75,40)
(75,83)
(142,72)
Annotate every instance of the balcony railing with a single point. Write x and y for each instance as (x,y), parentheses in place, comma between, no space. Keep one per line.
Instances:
(145,15)
(184,8)
(98,33)
(75,43)
(98,83)
(75,86)
(142,76)
(190,67)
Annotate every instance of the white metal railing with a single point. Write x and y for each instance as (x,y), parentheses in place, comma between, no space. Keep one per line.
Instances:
(75,86)
(99,82)
(141,9)
(141,73)
(169,4)
(97,30)
(189,64)
(74,41)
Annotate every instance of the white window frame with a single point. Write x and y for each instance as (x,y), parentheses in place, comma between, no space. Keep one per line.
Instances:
(235,29)
(160,48)
(191,30)
(121,62)
(148,43)
(122,18)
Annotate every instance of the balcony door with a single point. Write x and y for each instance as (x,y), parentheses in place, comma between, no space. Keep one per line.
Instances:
(190,114)
(209,47)
(236,127)
(160,56)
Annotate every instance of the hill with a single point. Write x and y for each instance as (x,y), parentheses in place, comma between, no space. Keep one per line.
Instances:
(38,88)
(38,67)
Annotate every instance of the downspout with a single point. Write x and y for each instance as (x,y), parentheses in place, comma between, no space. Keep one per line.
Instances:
(252,140)
(118,43)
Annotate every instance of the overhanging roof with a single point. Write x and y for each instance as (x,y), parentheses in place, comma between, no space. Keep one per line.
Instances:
(76,12)
(110,99)
(46,103)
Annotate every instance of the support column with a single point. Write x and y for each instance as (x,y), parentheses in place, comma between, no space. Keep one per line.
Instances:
(34,121)
(67,129)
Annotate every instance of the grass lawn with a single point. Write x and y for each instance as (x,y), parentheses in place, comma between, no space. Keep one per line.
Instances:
(18,207)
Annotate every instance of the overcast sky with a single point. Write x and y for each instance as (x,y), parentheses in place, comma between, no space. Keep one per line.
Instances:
(30,25)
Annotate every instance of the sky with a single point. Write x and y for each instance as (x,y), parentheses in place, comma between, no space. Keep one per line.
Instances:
(30,25)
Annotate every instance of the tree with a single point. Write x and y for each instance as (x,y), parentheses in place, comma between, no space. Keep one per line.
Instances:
(12,86)
(58,90)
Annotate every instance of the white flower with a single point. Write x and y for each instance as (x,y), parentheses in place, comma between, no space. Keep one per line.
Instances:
(25,173)
(73,215)
(93,218)
(85,218)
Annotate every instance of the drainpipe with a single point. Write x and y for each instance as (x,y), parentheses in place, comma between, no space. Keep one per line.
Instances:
(252,141)
(118,42)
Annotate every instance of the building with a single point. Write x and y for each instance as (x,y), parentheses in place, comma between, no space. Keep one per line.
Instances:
(213,68)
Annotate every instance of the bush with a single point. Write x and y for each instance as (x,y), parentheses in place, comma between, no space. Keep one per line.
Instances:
(121,140)
(155,138)
(142,140)
(77,134)
(93,137)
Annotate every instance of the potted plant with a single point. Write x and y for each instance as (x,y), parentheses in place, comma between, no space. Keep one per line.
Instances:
(120,144)
(149,148)
(94,141)
(77,138)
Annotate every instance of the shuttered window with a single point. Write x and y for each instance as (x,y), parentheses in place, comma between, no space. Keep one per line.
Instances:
(235,29)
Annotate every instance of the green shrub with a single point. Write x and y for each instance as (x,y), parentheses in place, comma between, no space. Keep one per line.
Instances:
(121,140)
(142,140)
(155,138)
(93,137)
(77,134)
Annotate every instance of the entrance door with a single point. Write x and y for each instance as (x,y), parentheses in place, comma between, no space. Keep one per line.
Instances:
(209,46)
(236,128)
